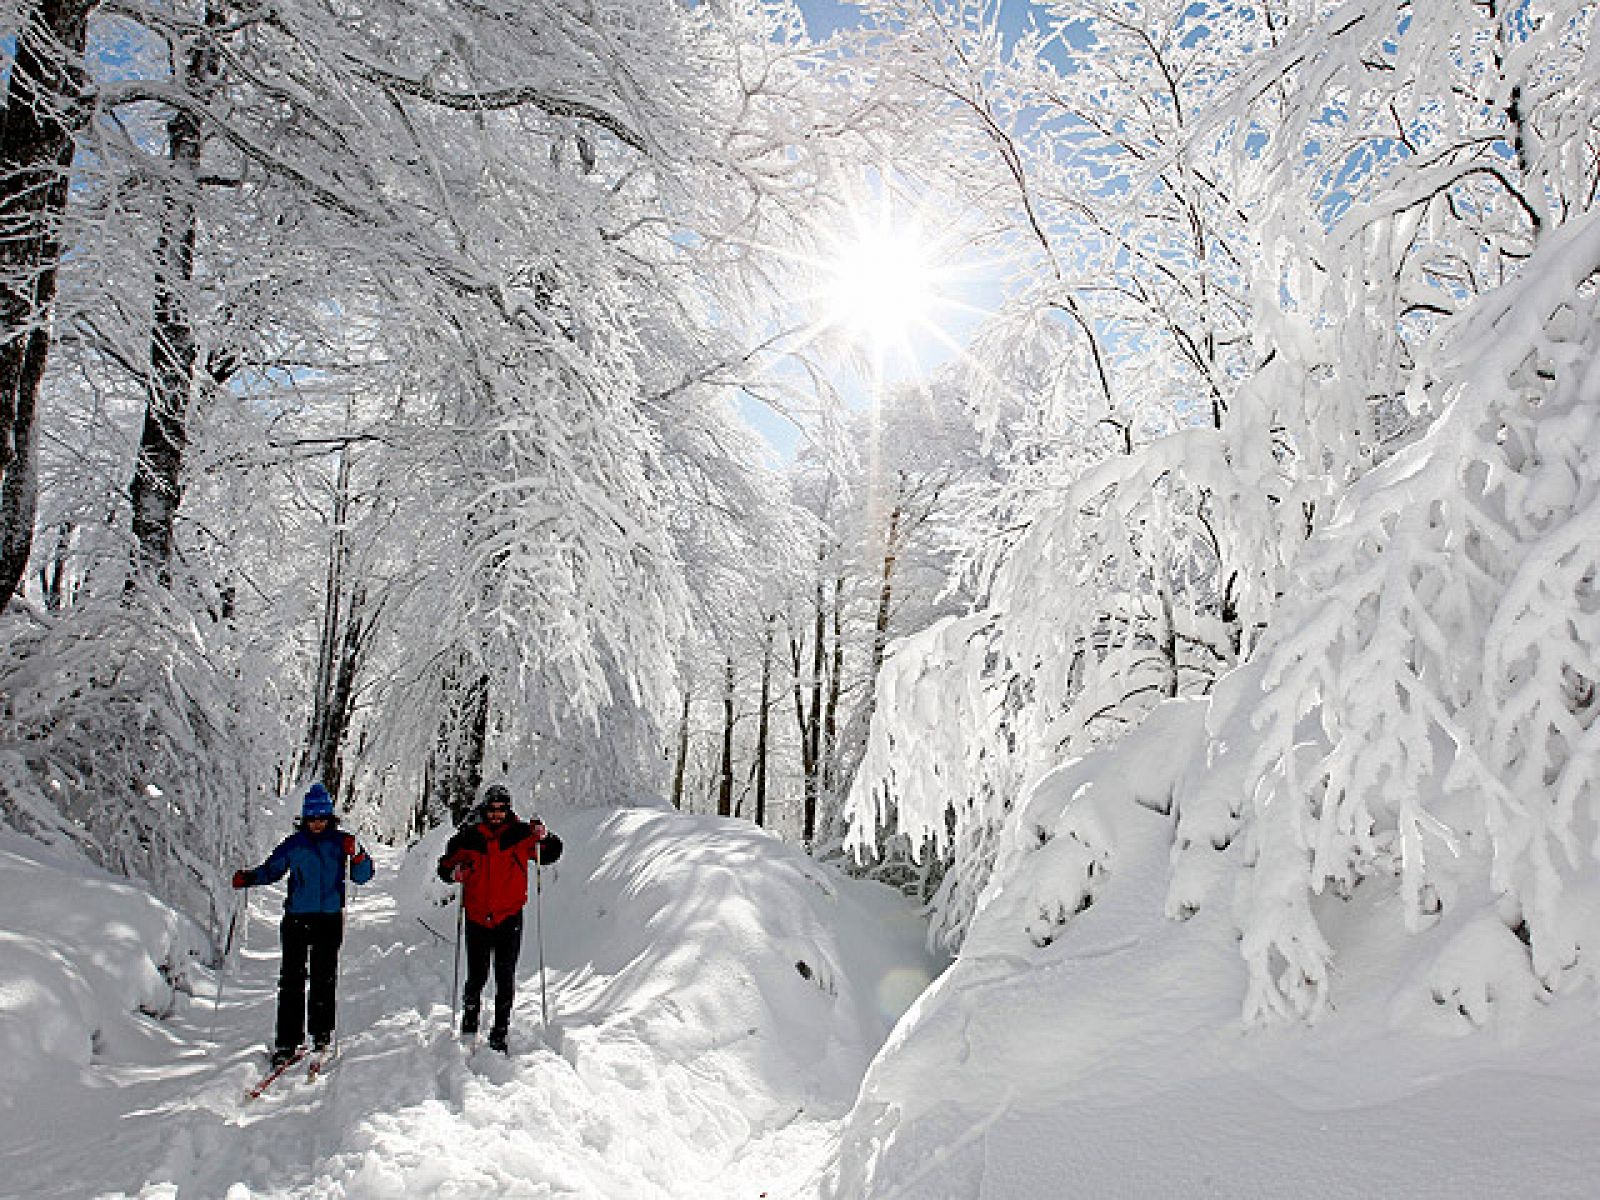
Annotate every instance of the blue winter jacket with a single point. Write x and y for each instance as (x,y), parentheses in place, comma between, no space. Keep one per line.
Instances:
(315,865)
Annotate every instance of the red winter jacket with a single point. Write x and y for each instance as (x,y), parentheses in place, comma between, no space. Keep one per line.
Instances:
(494,885)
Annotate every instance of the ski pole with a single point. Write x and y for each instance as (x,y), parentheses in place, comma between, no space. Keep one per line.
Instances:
(538,925)
(455,980)
(222,969)
(345,898)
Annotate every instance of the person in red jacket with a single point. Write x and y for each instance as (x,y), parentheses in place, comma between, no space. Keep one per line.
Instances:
(489,857)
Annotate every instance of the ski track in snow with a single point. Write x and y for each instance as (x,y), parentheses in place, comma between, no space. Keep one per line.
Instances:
(635,1091)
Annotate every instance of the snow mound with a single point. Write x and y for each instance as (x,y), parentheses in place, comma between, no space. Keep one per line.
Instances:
(1091,1029)
(88,960)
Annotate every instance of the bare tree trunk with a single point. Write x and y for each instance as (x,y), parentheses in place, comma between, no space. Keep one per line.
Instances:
(45,106)
(342,693)
(830,716)
(813,732)
(763,724)
(1169,642)
(54,574)
(324,757)
(683,750)
(725,784)
(880,628)
(314,753)
(157,475)
(808,773)
(455,766)
(346,625)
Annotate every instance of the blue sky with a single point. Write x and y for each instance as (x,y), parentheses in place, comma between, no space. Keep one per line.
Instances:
(824,16)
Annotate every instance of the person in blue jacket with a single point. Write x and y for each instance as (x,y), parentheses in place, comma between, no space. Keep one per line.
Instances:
(314,856)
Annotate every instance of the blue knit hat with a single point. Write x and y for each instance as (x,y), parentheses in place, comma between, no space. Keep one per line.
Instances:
(317,803)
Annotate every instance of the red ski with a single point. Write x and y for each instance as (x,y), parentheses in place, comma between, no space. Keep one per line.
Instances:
(272,1076)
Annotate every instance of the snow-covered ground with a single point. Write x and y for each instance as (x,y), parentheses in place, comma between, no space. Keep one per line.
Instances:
(1087,1045)
(715,999)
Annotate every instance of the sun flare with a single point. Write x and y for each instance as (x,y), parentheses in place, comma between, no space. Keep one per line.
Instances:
(882,286)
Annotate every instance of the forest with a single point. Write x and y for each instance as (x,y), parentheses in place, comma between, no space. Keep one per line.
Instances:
(376,380)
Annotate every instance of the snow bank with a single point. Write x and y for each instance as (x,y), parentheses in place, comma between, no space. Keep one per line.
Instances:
(1089,1040)
(88,958)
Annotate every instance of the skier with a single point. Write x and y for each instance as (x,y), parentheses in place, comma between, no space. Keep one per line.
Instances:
(489,857)
(314,856)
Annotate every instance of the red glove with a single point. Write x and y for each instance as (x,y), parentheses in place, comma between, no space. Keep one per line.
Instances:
(349,845)
(241,879)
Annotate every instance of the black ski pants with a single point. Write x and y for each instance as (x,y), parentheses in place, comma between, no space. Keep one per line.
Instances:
(502,944)
(310,955)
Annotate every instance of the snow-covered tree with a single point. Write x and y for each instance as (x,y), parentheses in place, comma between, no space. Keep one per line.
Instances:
(429,320)
(44,106)
(1321,198)
(1128,549)
(1427,687)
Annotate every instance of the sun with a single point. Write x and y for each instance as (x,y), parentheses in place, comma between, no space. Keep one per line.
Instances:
(881,285)
(893,284)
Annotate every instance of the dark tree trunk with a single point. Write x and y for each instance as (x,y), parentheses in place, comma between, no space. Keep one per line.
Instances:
(819,658)
(1231,621)
(880,628)
(325,756)
(763,725)
(809,722)
(455,767)
(338,650)
(811,719)
(1169,642)
(725,783)
(45,106)
(808,772)
(54,574)
(157,485)
(683,751)
(830,716)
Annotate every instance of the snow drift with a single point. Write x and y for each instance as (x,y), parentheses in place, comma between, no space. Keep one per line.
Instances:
(86,956)
(1087,1042)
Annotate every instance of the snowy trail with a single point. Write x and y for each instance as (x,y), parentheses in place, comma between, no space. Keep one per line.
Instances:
(690,1056)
